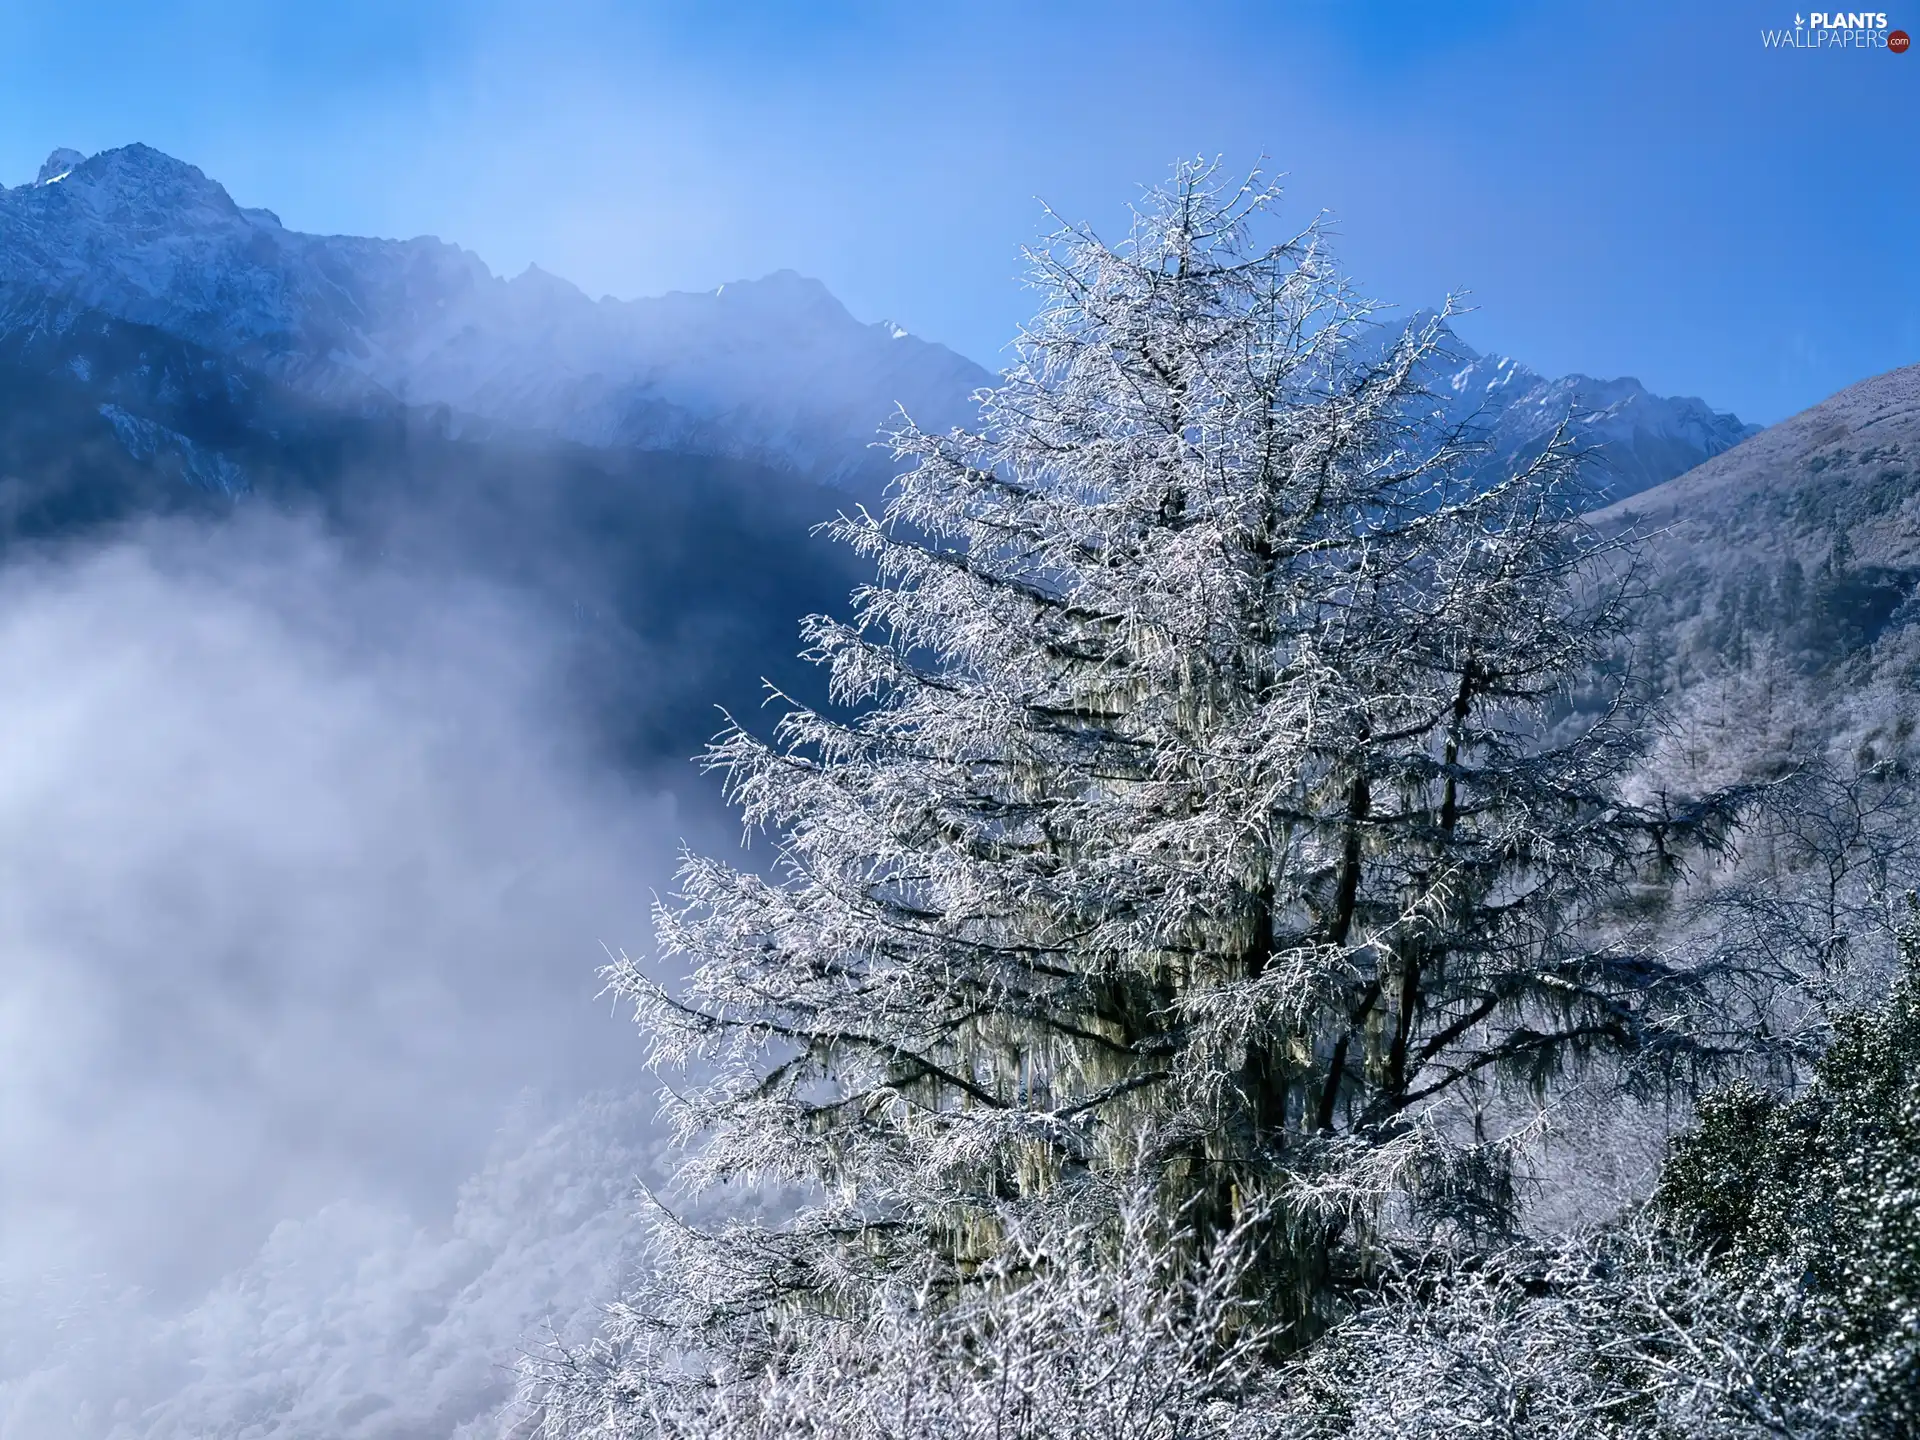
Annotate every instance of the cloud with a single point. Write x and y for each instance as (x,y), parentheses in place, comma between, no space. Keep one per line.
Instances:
(305,867)
(356,1322)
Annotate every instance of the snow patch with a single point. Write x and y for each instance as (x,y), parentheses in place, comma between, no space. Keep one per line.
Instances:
(150,441)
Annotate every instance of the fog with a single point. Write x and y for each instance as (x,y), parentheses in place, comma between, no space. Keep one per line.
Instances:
(307,869)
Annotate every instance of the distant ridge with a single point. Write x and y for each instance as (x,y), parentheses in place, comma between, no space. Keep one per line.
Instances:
(1847,467)
(773,371)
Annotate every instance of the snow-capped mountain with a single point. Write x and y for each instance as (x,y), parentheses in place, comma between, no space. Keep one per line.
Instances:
(774,370)
(1635,439)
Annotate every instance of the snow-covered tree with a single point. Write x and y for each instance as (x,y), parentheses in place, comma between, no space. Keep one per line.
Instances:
(1770,1289)
(1627,1334)
(1201,800)
(1820,1194)
(1085,1335)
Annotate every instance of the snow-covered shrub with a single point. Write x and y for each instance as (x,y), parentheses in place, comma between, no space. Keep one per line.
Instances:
(1075,1334)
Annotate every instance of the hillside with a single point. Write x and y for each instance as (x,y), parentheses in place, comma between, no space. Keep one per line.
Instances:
(1781,610)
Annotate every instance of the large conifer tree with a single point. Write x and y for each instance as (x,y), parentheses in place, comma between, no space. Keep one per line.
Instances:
(1201,807)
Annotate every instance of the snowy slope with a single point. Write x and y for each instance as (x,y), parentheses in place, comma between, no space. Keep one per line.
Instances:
(356,1322)
(1781,607)
(1847,469)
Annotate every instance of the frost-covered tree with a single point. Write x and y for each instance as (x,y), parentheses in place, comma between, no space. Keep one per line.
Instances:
(1820,1194)
(1807,916)
(1200,801)
(1770,1289)
(1628,1334)
(1123,1336)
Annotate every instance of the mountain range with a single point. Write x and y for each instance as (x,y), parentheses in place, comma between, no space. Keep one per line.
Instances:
(772,371)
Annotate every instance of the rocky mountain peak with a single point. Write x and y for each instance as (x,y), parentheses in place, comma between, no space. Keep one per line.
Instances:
(136,177)
(59,165)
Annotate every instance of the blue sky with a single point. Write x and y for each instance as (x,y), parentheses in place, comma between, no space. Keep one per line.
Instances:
(1625,188)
